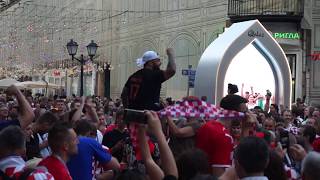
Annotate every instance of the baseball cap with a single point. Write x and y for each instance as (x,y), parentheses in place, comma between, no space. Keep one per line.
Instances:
(232,102)
(147,56)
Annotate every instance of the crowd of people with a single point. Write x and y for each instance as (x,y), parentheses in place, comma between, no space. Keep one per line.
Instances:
(84,138)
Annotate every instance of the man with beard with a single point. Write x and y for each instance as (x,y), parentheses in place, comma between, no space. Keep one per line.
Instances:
(142,90)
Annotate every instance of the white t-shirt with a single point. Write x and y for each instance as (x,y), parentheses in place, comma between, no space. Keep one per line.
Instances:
(99,137)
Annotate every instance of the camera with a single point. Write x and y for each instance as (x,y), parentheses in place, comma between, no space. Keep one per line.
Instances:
(269,93)
(137,116)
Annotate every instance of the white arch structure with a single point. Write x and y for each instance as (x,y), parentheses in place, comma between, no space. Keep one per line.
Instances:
(215,60)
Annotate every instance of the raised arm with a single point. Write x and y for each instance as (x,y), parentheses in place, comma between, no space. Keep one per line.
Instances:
(167,159)
(26,114)
(153,170)
(91,113)
(242,87)
(77,115)
(180,132)
(267,105)
(171,66)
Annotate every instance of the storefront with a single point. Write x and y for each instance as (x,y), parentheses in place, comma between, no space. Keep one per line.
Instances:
(291,38)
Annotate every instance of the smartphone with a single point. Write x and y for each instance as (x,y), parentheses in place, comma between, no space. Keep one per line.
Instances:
(284,139)
(137,116)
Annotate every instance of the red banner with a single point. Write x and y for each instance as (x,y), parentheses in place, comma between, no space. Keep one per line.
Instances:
(315,56)
(56,73)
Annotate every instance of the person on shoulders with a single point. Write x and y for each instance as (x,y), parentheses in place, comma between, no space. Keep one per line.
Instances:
(142,89)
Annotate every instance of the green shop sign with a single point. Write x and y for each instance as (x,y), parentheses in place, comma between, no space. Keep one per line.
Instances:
(286,35)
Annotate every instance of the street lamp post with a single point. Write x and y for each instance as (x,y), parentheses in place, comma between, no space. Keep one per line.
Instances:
(72,47)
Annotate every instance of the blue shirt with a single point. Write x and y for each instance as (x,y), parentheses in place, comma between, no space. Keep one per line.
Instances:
(80,165)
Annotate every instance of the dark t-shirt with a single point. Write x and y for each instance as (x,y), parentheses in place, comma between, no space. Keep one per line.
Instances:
(144,89)
(111,138)
(6,123)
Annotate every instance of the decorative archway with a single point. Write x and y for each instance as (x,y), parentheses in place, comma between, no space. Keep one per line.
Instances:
(216,59)
(147,45)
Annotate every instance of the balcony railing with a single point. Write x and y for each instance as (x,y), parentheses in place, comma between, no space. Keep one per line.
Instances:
(238,8)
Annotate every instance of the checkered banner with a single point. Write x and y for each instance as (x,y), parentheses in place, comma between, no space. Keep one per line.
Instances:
(198,109)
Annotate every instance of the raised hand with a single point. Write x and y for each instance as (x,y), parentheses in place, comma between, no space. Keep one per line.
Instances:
(12,90)
(170,52)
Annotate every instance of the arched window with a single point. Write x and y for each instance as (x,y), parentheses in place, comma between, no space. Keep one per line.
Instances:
(122,68)
(186,52)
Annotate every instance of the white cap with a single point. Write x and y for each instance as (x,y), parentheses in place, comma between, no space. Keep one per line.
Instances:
(147,56)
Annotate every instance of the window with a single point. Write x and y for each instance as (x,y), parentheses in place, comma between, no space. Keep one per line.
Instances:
(123,69)
(186,54)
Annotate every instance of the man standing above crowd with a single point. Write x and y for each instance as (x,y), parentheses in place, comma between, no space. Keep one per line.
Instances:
(142,89)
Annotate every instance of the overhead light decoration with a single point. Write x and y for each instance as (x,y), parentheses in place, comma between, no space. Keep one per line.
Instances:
(30,28)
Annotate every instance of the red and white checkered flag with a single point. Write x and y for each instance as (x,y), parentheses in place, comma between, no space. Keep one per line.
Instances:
(198,109)
(39,174)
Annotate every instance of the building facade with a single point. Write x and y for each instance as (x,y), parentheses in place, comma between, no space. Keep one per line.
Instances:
(313,70)
(187,26)
(293,23)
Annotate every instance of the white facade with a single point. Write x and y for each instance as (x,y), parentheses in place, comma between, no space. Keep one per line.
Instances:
(313,68)
(177,25)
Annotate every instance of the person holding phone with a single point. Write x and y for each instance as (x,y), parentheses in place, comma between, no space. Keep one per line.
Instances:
(142,89)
